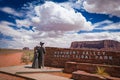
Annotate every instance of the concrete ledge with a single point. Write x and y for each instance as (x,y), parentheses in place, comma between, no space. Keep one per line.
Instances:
(24,70)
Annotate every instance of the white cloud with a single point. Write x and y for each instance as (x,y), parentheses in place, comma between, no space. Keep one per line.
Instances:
(10,11)
(23,37)
(20,38)
(53,17)
(78,4)
(36,20)
(25,23)
(112,26)
(111,7)
(54,25)
(107,25)
(6,23)
(66,39)
(7,30)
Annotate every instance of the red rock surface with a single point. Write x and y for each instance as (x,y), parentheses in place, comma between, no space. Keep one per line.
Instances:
(102,45)
(10,59)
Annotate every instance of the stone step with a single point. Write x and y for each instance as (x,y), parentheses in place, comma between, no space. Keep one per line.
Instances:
(42,71)
(82,75)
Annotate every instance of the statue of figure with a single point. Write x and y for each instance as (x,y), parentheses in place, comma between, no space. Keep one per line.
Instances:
(38,60)
(35,63)
(41,51)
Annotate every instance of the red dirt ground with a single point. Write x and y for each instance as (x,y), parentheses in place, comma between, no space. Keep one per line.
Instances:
(10,59)
(9,77)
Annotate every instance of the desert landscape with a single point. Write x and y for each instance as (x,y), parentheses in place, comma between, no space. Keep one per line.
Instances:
(59,39)
(73,62)
(17,57)
(13,57)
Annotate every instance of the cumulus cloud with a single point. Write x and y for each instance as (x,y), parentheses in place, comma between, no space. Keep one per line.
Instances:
(10,11)
(20,38)
(53,17)
(54,24)
(23,37)
(66,39)
(111,7)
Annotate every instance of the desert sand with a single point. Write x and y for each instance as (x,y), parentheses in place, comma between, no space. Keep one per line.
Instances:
(10,59)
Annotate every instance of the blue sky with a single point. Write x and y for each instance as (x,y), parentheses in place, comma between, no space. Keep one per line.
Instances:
(57,22)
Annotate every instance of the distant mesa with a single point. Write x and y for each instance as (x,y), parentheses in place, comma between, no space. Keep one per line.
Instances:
(26,48)
(100,45)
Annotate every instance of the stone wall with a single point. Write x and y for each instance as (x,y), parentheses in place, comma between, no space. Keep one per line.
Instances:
(57,57)
(91,68)
(82,75)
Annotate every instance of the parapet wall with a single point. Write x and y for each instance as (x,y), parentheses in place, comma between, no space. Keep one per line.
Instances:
(70,67)
(57,57)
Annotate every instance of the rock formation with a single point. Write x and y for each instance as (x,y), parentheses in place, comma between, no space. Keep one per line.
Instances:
(102,45)
(26,48)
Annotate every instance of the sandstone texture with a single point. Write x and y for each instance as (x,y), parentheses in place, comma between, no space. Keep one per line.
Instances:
(101,45)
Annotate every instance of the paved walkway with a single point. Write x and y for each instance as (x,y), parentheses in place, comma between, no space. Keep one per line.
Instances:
(38,74)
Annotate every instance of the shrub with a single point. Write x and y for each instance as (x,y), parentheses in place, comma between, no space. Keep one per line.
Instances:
(27,56)
(101,71)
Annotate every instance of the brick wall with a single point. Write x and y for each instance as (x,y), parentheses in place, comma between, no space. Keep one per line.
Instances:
(57,57)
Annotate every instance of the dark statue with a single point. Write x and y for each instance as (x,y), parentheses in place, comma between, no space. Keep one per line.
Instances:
(38,61)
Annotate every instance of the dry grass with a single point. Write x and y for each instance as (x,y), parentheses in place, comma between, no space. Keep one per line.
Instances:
(101,71)
(27,56)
